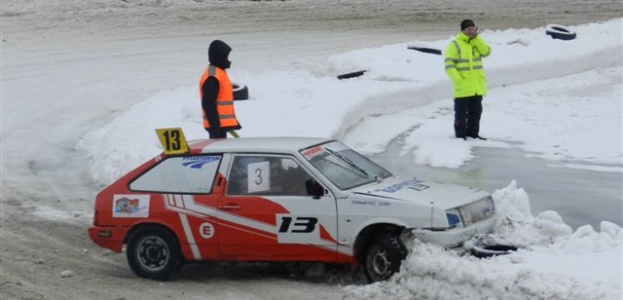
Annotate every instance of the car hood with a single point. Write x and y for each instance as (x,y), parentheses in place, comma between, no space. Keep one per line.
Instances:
(443,195)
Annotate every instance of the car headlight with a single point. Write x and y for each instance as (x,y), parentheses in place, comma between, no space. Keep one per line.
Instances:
(454,218)
(470,213)
(477,211)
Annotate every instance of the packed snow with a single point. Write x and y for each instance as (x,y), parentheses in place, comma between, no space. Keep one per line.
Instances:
(558,100)
(72,66)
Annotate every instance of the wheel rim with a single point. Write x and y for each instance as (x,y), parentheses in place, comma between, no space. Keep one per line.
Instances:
(378,263)
(153,254)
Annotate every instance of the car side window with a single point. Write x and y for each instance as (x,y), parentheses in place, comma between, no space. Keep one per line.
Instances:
(267,175)
(189,174)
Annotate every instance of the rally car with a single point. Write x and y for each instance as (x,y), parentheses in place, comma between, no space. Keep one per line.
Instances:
(277,200)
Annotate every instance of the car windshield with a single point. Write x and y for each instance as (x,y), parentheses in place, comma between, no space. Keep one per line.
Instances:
(345,167)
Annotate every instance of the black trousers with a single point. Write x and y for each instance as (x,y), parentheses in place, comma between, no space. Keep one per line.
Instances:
(467,111)
(217,133)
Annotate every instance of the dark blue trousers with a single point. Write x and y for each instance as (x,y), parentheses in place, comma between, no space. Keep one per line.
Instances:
(467,111)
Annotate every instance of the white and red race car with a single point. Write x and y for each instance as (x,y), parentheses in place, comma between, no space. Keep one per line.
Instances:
(277,199)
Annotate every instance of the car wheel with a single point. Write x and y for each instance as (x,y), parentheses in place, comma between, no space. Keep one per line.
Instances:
(154,252)
(384,257)
(241,91)
(559,32)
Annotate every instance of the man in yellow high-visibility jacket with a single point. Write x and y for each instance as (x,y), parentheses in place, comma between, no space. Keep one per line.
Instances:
(464,67)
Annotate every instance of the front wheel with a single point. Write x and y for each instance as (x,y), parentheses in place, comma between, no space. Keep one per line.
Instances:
(384,257)
(154,252)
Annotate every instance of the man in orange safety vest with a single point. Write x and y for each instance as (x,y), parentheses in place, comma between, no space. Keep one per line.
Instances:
(216,90)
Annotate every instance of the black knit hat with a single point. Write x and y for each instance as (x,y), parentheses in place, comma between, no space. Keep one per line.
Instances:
(467,23)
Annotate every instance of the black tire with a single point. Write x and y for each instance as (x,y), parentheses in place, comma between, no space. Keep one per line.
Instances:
(351,75)
(559,32)
(153,252)
(425,50)
(383,257)
(486,251)
(241,91)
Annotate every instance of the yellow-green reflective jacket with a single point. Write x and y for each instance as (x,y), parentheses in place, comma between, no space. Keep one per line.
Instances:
(464,65)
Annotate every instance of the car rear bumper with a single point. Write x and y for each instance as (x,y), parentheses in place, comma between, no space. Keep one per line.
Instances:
(456,236)
(108,237)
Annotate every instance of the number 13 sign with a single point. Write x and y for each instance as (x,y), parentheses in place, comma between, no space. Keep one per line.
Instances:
(173,140)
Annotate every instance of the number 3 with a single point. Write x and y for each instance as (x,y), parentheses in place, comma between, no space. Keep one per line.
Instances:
(259,180)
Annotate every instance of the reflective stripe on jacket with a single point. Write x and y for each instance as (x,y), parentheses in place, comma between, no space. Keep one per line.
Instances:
(224,99)
(464,65)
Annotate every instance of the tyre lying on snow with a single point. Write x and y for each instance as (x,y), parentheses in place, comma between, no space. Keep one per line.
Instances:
(351,74)
(559,32)
(485,251)
(278,199)
(241,91)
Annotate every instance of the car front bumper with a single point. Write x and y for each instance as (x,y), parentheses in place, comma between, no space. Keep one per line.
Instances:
(455,237)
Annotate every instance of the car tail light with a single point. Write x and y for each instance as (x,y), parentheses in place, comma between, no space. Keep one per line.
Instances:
(95,221)
(105,233)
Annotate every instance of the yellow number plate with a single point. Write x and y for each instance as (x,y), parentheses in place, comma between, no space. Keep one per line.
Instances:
(172,140)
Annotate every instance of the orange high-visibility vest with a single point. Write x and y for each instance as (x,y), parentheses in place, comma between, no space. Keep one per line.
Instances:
(224,99)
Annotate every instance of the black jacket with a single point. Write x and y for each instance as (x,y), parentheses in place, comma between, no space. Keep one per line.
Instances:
(218,54)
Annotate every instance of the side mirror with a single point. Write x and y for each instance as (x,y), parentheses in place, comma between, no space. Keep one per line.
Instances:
(314,188)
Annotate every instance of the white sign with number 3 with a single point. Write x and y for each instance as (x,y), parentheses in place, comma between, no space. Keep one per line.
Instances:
(258,177)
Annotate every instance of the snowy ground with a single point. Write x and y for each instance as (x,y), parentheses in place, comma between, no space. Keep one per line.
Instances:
(84,85)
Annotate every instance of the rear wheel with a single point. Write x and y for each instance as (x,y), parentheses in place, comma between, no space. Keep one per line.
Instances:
(154,252)
(384,257)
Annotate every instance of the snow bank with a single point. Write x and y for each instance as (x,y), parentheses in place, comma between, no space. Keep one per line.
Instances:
(545,267)
(404,85)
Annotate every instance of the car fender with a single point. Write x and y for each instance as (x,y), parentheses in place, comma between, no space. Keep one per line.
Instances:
(361,227)
(176,230)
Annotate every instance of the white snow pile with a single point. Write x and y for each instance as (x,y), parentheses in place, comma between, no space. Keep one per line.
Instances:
(552,262)
(546,96)
(557,99)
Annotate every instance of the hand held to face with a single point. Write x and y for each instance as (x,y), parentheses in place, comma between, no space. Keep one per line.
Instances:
(471,31)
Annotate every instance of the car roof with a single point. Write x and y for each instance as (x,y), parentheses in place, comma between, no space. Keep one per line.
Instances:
(255,144)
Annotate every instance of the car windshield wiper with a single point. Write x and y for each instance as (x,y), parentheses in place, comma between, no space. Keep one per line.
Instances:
(352,163)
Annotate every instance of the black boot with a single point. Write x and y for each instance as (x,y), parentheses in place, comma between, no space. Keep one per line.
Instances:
(477,137)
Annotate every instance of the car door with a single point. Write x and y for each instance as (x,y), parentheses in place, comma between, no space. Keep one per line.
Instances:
(268,214)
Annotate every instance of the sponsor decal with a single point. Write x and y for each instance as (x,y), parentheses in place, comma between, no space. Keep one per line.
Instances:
(364,202)
(206,230)
(197,162)
(130,206)
(414,184)
(311,153)
(370,202)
